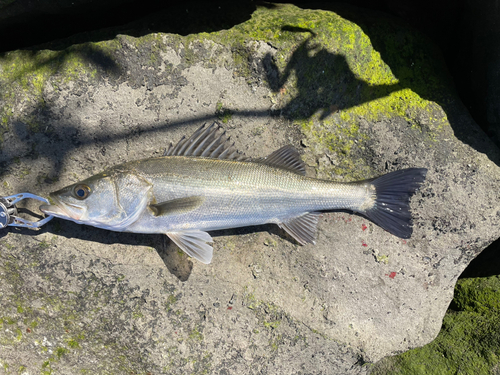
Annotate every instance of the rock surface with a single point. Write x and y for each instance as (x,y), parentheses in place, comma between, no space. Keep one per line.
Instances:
(359,95)
(468,342)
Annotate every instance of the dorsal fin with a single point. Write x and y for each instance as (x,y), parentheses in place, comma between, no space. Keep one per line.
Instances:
(206,142)
(287,157)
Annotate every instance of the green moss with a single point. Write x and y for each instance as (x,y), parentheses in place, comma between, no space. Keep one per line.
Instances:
(272,325)
(331,76)
(195,335)
(19,334)
(224,114)
(59,352)
(25,74)
(468,342)
(7,245)
(268,314)
(31,70)
(44,244)
(479,295)
(7,320)
(271,242)
(137,314)
(275,342)
(382,259)
(338,137)
(73,344)
(171,300)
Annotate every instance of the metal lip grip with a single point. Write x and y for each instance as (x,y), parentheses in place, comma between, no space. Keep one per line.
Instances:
(8,212)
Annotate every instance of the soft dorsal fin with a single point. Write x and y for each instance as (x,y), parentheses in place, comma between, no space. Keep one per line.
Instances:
(194,243)
(287,157)
(303,227)
(206,142)
(176,206)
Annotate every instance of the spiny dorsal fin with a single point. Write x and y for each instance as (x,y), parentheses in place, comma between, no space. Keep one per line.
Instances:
(303,227)
(206,142)
(176,206)
(287,158)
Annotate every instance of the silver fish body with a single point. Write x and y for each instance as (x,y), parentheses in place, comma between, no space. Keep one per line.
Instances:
(236,193)
(200,186)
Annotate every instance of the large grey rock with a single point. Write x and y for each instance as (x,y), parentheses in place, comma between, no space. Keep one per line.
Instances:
(359,100)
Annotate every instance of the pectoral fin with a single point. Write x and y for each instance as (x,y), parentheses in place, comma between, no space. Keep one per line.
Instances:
(303,227)
(176,206)
(194,244)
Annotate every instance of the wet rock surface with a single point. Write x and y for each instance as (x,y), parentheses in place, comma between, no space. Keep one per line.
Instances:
(359,96)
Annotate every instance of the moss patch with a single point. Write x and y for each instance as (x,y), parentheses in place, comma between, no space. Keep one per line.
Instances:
(326,70)
(327,75)
(25,75)
(468,343)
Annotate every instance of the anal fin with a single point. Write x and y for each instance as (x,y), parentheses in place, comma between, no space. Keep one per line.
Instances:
(302,228)
(194,244)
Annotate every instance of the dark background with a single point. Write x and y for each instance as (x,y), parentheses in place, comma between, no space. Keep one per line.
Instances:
(467,33)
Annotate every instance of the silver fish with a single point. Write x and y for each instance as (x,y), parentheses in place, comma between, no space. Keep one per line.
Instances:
(202,184)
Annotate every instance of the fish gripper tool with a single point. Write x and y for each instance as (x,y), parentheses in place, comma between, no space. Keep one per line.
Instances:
(8,212)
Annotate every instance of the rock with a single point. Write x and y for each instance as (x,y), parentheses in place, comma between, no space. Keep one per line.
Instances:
(468,341)
(371,96)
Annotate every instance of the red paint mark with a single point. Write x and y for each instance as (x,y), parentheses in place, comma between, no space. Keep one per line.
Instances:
(350,219)
(363,227)
(392,275)
(363,244)
(230,307)
(404,242)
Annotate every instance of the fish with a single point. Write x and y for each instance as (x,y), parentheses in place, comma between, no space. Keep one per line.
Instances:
(204,184)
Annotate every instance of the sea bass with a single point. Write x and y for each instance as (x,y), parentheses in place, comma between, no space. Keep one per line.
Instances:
(202,184)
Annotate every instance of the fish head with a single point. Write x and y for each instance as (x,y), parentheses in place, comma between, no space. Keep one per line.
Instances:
(107,200)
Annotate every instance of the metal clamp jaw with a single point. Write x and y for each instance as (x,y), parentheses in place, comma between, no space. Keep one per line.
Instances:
(8,212)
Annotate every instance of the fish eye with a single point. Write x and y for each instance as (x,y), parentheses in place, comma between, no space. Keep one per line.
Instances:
(81,191)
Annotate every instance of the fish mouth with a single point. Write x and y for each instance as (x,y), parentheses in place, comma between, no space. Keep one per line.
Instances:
(61,209)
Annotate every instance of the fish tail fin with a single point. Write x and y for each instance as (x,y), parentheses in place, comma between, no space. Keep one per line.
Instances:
(391,210)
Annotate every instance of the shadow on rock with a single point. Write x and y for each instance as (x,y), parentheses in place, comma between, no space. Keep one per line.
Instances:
(418,64)
(178,263)
(52,62)
(325,81)
(486,264)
